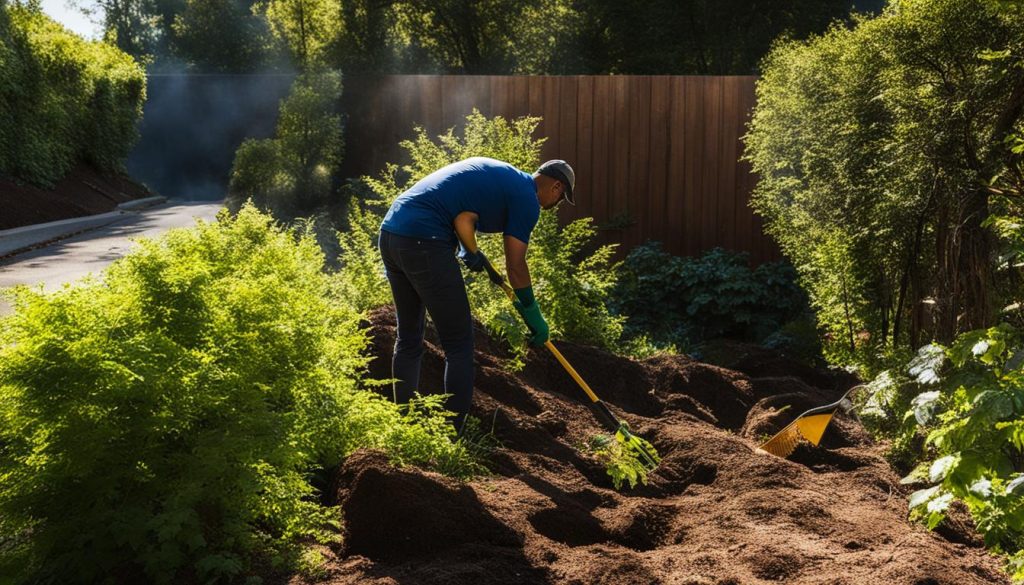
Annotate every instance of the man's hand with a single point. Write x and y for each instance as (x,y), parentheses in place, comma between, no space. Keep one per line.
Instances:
(530,310)
(539,331)
(474,261)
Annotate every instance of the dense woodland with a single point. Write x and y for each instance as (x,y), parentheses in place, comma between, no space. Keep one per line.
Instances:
(696,37)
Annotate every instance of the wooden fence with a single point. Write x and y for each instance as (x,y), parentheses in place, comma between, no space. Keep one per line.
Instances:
(656,157)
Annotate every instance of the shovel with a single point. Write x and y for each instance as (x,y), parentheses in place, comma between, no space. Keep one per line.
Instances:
(643,450)
(810,425)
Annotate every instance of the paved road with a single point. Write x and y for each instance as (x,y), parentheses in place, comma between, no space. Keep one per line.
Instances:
(70,259)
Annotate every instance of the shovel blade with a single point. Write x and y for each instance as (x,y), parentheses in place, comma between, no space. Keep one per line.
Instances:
(810,427)
(813,427)
(783,443)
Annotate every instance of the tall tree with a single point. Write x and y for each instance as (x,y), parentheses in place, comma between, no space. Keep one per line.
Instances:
(696,37)
(130,25)
(875,146)
(221,35)
(307,27)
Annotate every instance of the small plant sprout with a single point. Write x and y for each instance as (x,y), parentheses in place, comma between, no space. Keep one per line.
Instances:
(622,464)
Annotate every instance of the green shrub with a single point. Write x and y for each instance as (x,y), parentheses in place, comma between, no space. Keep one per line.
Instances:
(970,402)
(257,175)
(63,100)
(292,173)
(571,283)
(682,301)
(873,143)
(167,421)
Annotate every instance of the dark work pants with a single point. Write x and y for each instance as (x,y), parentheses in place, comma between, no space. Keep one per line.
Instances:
(425,276)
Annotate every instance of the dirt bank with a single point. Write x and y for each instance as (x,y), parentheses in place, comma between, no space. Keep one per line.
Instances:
(84,191)
(715,512)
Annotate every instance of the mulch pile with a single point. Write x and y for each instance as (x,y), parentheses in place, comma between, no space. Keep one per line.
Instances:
(84,191)
(715,512)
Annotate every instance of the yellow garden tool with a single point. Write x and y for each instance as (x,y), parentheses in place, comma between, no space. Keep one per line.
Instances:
(810,425)
(643,450)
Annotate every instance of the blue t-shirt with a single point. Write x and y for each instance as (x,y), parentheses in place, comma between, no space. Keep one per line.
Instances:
(504,198)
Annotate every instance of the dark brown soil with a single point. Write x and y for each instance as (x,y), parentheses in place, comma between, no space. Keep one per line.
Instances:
(84,191)
(715,512)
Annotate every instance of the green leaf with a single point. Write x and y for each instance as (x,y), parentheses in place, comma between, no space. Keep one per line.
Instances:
(921,497)
(923,406)
(925,366)
(916,475)
(981,488)
(939,504)
(941,467)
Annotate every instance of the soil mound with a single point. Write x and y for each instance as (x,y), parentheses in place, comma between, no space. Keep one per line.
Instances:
(715,512)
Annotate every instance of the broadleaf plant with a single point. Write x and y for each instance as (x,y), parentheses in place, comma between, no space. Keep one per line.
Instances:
(972,408)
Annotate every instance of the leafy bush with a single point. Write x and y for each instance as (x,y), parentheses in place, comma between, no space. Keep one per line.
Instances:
(970,402)
(167,421)
(873,144)
(960,408)
(571,283)
(292,173)
(681,301)
(63,100)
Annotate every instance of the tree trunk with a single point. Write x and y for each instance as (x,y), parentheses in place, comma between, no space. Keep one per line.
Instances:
(975,274)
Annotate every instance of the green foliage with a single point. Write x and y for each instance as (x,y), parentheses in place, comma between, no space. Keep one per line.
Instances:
(622,464)
(962,405)
(291,173)
(571,284)
(694,37)
(222,35)
(682,301)
(307,27)
(129,25)
(873,144)
(970,402)
(361,276)
(169,419)
(63,100)
(498,37)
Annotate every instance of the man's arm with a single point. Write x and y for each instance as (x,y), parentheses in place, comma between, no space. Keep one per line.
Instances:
(465,228)
(515,262)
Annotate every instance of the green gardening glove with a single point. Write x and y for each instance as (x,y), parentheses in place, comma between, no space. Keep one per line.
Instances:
(530,311)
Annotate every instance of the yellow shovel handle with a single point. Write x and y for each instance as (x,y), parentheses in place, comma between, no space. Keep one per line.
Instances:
(572,371)
(467,236)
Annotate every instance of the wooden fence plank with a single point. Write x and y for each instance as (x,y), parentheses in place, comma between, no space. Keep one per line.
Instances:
(566,134)
(520,96)
(709,227)
(639,136)
(676,217)
(498,95)
(659,163)
(430,104)
(728,160)
(599,193)
(618,181)
(584,153)
(480,96)
(694,164)
(746,238)
(551,87)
